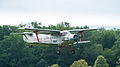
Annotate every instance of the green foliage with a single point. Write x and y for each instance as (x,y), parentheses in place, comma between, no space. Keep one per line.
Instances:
(118,66)
(91,52)
(36,24)
(4,30)
(118,61)
(116,46)
(110,55)
(55,65)
(63,26)
(80,63)
(101,62)
(108,39)
(14,52)
(41,63)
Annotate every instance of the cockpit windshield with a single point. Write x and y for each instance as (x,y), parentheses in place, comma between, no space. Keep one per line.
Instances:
(64,33)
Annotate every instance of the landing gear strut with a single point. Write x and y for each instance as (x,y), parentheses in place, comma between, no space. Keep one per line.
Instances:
(59,49)
(72,51)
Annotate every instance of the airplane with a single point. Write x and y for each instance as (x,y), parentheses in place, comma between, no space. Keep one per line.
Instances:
(53,37)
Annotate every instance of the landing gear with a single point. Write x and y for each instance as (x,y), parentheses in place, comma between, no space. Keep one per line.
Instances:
(73,51)
(31,46)
(69,48)
(58,51)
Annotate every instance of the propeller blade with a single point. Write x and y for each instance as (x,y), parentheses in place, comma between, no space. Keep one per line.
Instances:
(72,38)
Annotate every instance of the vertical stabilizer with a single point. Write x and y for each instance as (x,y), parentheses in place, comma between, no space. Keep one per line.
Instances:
(29,25)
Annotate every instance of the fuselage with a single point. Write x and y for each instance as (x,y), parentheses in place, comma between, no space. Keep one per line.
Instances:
(51,39)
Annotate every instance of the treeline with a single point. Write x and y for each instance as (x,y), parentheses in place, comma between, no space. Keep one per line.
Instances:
(103,51)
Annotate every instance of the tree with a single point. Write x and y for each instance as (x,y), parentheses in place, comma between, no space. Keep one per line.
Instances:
(15,53)
(4,30)
(90,53)
(108,39)
(55,65)
(36,24)
(80,63)
(116,46)
(101,62)
(118,62)
(63,26)
(52,27)
(105,37)
(110,56)
(66,58)
(41,63)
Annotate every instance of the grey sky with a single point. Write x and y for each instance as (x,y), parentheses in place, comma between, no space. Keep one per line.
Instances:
(88,12)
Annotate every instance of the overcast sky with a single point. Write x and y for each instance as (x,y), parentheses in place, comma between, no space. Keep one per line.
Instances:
(76,12)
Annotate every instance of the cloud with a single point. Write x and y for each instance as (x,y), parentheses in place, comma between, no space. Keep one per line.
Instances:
(76,6)
(77,12)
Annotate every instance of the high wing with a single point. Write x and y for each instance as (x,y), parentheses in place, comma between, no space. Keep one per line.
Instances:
(82,42)
(23,33)
(81,30)
(41,31)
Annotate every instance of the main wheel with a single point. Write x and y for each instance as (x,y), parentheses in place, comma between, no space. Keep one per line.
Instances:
(58,51)
(30,46)
(73,51)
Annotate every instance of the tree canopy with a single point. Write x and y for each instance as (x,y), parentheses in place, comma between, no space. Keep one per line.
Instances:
(104,45)
(101,62)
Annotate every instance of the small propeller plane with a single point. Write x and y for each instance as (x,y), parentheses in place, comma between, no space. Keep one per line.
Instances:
(53,37)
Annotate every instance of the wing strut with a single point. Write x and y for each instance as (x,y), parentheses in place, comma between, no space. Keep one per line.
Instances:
(80,36)
(25,36)
(36,35)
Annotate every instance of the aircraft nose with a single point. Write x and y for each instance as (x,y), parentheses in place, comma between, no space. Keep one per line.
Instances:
(77,38)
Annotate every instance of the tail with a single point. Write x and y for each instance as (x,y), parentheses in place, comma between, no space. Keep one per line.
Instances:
(27,26)
(26,35)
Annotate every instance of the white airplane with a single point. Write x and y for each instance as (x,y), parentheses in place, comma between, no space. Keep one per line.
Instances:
(53,37)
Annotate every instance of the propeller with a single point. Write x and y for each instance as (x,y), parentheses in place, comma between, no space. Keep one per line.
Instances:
(77,44)
(76,39)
